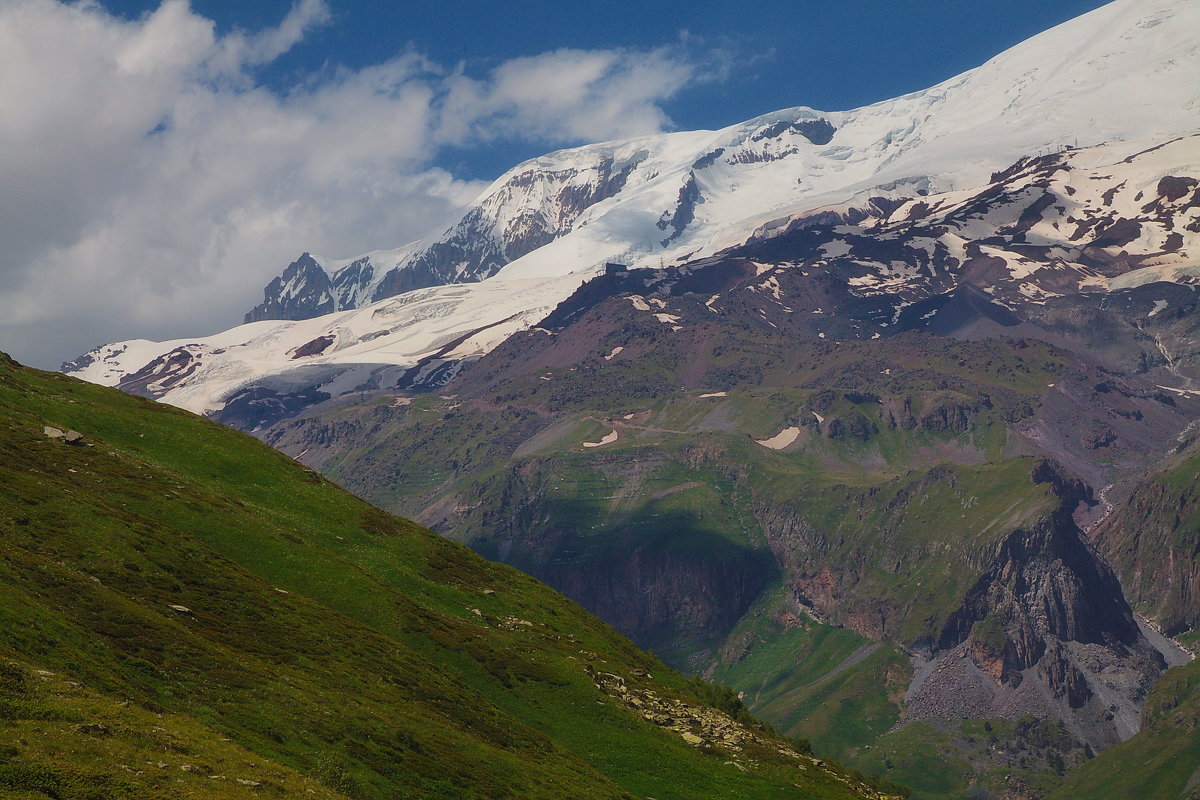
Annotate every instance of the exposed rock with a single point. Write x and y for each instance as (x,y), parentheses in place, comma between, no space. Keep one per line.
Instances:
(301,292)
(1047,631)
(314,347)
(684,212)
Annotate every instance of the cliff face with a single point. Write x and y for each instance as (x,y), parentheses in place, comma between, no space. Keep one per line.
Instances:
(1048,624)
(1153,541)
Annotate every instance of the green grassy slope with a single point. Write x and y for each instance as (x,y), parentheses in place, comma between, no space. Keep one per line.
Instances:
(291,635)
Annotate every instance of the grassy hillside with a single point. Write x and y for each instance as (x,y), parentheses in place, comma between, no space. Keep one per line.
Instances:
(179,602)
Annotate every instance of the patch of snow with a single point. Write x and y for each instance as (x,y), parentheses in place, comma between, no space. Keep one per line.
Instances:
(1159,305)
(1180,392)
(1184,273)
(608,439)
(836,248)
(781,439)
(714,394)
(616,352)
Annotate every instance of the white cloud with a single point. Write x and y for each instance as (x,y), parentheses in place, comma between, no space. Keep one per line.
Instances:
(151,185)
(568,95)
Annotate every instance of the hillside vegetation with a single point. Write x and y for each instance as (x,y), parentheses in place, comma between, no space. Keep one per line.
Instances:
(185,612)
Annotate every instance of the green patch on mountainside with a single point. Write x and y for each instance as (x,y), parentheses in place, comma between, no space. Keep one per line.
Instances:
(288,633)
(699,501)
(813,681)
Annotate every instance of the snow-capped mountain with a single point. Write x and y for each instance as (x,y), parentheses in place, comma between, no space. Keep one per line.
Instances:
(942,172)
(1126,71)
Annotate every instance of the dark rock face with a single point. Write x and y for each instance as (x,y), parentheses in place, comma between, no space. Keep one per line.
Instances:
(1048,612)
(347,280)
(313,348)
(1045,582)
(663,598)
(77,365)
(164,372)
(685,210)
(303,291)
(1174,187)
(817,131)
(708,159)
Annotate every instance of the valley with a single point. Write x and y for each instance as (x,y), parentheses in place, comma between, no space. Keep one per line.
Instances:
(876,432)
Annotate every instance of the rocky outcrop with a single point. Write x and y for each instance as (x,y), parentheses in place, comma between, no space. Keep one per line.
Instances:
(710,729)
(684,211)
(303,291)
(1029,620)
(1048,626)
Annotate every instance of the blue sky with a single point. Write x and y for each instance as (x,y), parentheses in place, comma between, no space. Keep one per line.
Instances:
(170,158)
(771,54)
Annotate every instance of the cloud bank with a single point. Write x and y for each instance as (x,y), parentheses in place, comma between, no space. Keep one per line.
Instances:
(151,184)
